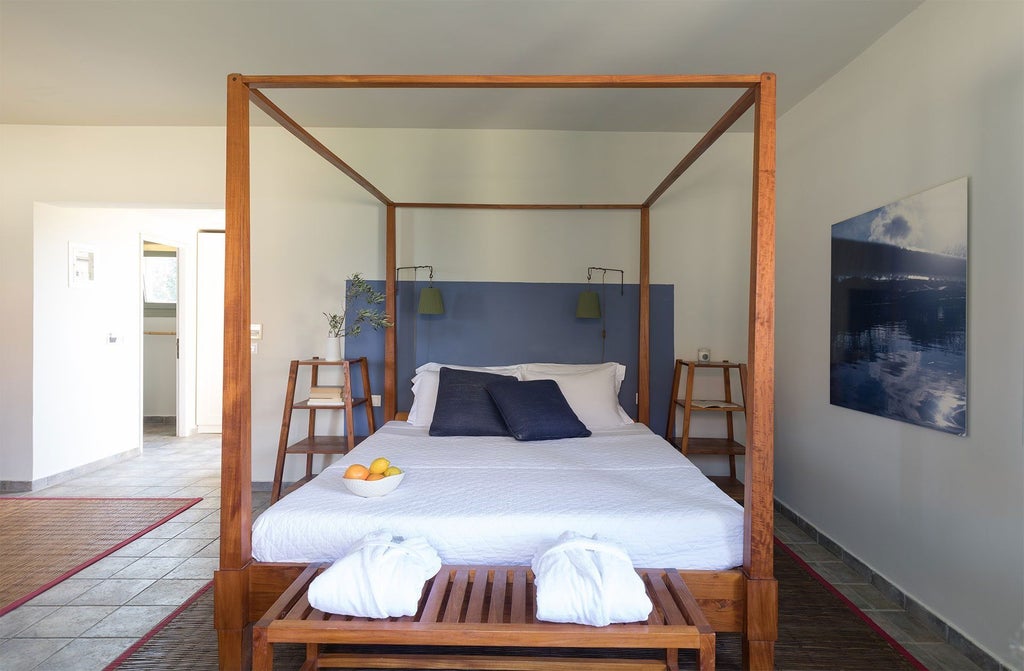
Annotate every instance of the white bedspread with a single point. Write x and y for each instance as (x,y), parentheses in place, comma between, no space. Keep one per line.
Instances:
(493,500)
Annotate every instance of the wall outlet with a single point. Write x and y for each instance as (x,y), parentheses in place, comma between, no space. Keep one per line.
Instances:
(254,347)
(375,400)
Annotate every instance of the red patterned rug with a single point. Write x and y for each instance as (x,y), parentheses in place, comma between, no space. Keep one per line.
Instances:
(45,540)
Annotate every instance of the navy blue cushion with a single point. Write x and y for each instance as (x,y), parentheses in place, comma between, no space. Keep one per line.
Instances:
(536,410)
(464,408)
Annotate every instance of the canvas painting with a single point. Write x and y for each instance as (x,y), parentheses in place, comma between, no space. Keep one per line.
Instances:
(899,310)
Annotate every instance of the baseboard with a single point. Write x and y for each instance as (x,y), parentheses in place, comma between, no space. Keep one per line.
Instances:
(927,618)
(12,486)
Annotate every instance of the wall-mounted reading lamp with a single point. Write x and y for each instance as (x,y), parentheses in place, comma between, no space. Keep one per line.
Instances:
(588,306)
(430,296)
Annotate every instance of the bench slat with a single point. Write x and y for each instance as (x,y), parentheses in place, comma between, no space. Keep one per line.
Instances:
(475,609)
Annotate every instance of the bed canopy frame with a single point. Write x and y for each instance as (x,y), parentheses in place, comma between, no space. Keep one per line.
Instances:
(741,600)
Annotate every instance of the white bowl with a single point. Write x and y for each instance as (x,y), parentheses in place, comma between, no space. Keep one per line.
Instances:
(368,488)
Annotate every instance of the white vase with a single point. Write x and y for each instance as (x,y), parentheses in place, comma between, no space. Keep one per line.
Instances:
(333,349)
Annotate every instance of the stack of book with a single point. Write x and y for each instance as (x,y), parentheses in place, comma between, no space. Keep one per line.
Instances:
(329,395)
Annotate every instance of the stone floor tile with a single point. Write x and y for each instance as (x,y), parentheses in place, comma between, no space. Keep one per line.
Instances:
(209,502)
(23,654)
(941,657)
(870,596)
(129,621)
(67,621)
(149,567)
(196,567)
(812,552)
(105,567)
(64,592)
(167,530)
(88,654)
(211,550)
(167,592)
(208,530)
(180,547)
(838,573)
(162,491)
(902,627)
(794,536)
(139,547)
(111,592)
(21,617)
(193,515)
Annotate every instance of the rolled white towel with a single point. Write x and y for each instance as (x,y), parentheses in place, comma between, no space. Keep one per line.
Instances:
(380,577)
(588,581)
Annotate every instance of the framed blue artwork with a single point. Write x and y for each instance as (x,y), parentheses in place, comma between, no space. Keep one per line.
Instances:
(899,310)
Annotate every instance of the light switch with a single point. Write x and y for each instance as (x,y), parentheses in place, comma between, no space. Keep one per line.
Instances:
(256,331)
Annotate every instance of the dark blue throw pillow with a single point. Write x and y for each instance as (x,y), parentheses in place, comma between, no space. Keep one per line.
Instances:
(464,408)
(536,410)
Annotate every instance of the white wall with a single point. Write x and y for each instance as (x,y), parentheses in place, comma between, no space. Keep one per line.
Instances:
(312,228)
(148,167)
(99,381)
(938,97)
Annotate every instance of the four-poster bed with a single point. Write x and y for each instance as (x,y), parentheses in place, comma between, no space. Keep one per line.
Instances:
(736,600)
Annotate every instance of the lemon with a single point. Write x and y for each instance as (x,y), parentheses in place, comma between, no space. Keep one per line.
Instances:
(392,470)
(379,465)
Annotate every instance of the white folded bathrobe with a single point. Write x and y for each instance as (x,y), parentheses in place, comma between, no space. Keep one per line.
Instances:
(588,581)
(380,577)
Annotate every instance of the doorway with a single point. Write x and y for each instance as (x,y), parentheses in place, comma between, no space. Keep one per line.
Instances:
(160,341)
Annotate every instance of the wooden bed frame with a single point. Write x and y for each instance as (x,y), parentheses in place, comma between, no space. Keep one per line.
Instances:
(738,600)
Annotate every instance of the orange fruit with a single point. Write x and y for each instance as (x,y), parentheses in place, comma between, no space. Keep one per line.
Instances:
(375,476)
(357,472)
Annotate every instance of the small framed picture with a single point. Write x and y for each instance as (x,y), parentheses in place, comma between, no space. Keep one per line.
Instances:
(81,265)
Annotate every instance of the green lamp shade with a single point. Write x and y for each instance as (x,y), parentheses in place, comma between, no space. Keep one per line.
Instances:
(430,301)
(588,306)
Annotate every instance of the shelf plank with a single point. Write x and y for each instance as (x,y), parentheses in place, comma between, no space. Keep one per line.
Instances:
(711,446)
(722,406)
(322,445)
(305,405)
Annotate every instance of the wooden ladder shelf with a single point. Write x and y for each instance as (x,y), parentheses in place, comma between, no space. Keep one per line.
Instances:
(726,406)
(320,444)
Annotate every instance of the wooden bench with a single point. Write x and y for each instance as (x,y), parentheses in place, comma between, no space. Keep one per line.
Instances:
(484,607)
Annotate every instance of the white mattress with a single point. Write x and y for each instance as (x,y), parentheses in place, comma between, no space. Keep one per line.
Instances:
(493,500)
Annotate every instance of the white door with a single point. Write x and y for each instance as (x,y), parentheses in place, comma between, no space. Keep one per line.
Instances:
(209,330)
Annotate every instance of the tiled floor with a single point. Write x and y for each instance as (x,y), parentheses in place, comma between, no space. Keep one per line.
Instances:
(89,619)
(86,621)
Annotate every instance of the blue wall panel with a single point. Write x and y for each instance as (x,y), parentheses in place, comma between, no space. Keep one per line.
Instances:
(495,323)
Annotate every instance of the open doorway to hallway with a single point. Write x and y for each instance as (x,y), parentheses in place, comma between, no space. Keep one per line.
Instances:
(160,343)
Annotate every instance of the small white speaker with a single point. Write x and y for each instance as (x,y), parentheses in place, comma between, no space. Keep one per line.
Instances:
(703,355)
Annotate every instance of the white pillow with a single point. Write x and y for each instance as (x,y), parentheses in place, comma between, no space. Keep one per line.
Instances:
(424,388)
(591,394)
(571,368)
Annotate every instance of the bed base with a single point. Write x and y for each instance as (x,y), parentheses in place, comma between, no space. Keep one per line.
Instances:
(481,607)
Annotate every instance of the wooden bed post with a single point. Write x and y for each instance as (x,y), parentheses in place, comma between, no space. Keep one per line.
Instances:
(390,305)
(231,580)
(761,630)
(643,384)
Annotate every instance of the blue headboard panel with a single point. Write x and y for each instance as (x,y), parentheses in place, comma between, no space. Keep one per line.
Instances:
(495,323)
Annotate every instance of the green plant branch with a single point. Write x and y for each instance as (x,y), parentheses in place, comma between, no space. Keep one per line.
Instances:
(359,289)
